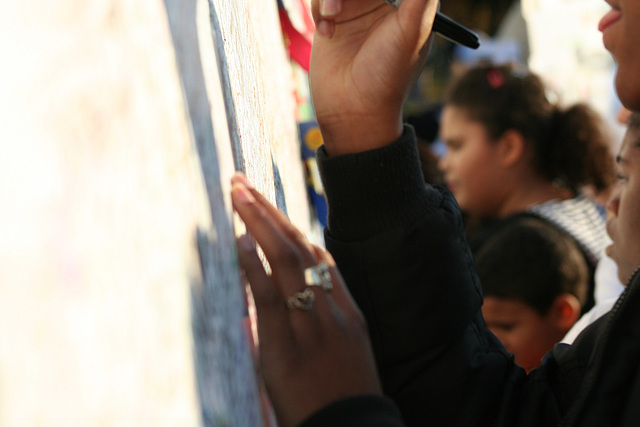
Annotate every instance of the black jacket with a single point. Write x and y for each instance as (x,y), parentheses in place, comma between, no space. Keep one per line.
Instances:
(401,248)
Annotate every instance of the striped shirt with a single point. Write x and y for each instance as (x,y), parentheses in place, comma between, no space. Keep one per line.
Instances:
(581,218)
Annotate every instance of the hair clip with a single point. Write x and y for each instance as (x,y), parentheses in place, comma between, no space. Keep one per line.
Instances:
(496,78)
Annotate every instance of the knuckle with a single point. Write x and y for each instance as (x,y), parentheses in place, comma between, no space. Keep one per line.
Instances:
(287,257)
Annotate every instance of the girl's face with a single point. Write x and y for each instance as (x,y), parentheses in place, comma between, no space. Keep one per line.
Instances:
(471,163)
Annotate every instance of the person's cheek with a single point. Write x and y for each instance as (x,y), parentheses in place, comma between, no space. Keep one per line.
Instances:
(506,341)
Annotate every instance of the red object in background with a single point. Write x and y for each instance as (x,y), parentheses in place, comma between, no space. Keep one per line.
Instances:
(298,44)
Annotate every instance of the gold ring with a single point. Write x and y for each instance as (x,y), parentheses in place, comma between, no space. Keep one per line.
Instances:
(302,300)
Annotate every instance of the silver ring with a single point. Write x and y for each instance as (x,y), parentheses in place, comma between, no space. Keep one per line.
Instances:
(319,275)
(302,300)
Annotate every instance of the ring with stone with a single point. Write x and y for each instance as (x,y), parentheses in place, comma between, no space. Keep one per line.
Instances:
(318,275)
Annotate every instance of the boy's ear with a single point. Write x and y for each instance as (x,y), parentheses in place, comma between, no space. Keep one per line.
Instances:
(512,147)
(565,311)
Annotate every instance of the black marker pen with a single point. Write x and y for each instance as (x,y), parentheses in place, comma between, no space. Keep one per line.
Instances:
(449,29)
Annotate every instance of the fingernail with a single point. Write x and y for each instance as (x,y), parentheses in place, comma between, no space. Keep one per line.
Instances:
(241,194)
(329,7)
(241,178)
(325,29)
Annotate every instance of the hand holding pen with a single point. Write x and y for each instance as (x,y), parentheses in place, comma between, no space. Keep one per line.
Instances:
(365,59)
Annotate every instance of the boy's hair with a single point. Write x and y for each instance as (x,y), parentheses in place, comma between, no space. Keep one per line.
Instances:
(530,260)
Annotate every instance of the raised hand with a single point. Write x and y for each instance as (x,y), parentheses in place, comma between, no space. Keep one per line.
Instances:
(366,56)
(314,347)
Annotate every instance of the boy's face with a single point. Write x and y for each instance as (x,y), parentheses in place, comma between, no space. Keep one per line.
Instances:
(620,34)
(523,331)
(624,208)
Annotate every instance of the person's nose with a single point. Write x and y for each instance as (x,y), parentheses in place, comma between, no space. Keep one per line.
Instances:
(443,163)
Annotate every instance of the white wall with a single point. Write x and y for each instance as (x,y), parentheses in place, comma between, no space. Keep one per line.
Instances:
(115,150)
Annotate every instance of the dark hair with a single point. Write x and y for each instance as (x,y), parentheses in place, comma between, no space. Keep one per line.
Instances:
(530,260)
(570,145)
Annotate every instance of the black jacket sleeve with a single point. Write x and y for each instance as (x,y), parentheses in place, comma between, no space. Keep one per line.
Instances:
(358,411)
(401,248)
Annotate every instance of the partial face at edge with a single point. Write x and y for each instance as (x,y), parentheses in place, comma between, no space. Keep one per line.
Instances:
(621,32)
(624,209)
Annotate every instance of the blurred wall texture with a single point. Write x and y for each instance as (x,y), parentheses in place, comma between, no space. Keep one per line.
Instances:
(121,123)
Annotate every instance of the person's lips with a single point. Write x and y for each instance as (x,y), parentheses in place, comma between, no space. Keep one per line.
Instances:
(609,19)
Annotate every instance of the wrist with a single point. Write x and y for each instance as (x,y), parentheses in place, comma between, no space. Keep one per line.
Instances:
(353,134)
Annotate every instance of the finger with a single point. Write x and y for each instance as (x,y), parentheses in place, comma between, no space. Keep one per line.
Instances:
(312,254)
(273,319)
(281,220)
(340,293)
(416,20)
(284,257)
(417,11)
(325,9)
(327,14)
(325,26)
